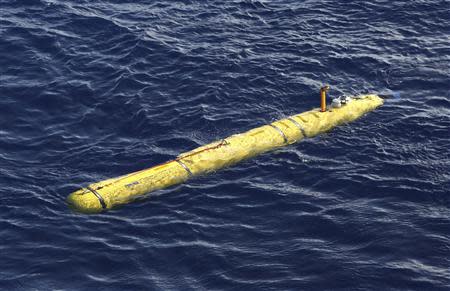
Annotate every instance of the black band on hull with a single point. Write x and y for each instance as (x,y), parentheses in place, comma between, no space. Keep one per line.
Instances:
(280,132)
(302,130)
(100,198)
(184,167)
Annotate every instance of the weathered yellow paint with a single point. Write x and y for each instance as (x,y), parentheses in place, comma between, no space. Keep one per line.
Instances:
(217,155)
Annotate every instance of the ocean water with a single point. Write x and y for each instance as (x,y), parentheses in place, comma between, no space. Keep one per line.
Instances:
(96,89)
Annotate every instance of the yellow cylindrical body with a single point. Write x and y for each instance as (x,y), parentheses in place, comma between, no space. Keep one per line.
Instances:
(124,189)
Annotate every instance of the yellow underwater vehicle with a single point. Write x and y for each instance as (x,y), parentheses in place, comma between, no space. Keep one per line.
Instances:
(104,195)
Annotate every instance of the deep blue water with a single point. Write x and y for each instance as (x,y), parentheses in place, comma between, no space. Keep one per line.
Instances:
(96,89)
